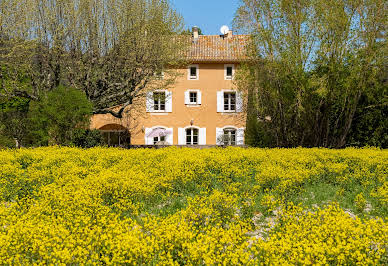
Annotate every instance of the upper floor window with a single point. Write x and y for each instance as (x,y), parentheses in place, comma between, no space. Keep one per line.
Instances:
(159,101)
(229,137)
(159,74)
(193,97)
(229,101)
(229,72)
(191,136)
(193,72)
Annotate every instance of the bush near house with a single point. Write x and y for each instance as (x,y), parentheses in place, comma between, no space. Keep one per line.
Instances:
(185,206)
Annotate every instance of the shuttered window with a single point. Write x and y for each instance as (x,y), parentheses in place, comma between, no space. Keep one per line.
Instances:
(191,136)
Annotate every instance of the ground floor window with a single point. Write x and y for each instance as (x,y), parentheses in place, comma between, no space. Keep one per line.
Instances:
(159,139)
(229,136)
(116,138)
(192,136)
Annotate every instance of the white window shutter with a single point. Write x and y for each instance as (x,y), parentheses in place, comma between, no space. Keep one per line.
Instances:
(187,97)
(150,101)
(199,97)
(168,101)
(220,101)
(239,102)
(202,136)
(240,136)
(170,137)
(148,141)
(181,136)
(219,135)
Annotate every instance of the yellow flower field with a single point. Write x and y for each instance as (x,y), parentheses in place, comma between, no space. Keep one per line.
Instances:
(186,206)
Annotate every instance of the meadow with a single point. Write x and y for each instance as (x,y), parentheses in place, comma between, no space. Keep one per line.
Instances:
(197,207)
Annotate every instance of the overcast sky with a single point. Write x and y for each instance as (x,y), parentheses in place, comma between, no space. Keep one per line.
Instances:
(209,15)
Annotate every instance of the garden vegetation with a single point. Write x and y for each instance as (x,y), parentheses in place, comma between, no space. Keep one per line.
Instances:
(184,206)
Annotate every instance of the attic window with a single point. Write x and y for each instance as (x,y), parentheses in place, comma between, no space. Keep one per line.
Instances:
(193,72)
(229,72)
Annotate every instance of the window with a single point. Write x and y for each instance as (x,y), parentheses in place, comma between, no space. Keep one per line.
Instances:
(159,139)
(159,74)
(229,72)
(115,138)
(159,101)
(229,101)
(191,136)
(229,136)
(193,97)
(193,72)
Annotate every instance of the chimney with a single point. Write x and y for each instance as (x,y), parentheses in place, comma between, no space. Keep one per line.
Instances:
(230,34)
(195,33)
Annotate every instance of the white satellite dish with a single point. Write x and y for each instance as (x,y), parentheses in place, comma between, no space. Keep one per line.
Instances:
(224,30)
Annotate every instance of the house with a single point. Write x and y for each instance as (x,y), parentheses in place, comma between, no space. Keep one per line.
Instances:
(201,108)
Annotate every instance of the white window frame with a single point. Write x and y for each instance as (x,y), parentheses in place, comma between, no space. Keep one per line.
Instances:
(195,95)
(150,104)
(165,102)
(187,98)
(240,134)
(192,137)
(189,77)
(230,129)
(159,77)
(226,77)
(169,138)
(229,102)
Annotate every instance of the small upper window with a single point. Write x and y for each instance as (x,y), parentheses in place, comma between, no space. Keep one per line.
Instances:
(229,71)
(159,74)
(229,101)
(193,97)
(159,101)
(193,72)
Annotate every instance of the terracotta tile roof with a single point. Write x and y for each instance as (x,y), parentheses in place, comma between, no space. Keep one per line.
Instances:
(218,48)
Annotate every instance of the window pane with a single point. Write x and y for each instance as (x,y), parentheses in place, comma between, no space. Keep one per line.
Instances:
(229,71)
(193,71)
(233,98)
(193,97)
(188,140)
(162,107)
(163,138)
(195,132)
(155,140)
(195,139)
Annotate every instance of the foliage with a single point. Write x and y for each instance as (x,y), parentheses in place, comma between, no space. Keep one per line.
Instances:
(311,63)
(110,49)
(56,117)
(62,205)
(87,138)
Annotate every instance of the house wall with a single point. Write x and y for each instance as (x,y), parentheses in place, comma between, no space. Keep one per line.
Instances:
(211,79)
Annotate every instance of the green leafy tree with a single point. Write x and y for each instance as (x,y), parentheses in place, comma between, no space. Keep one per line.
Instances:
(312,60)
(56,118)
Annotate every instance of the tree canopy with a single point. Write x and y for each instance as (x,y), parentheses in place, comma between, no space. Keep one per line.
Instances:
(312,61)
(110,49)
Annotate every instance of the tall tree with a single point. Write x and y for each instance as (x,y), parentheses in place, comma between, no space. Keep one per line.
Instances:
(110,49)
(313,59)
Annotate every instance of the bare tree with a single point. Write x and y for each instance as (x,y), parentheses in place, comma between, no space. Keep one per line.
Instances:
(110,49)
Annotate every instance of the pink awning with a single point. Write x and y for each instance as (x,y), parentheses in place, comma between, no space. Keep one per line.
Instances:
(158,132)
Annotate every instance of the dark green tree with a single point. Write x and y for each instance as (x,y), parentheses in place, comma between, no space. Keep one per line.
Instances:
(56,118)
